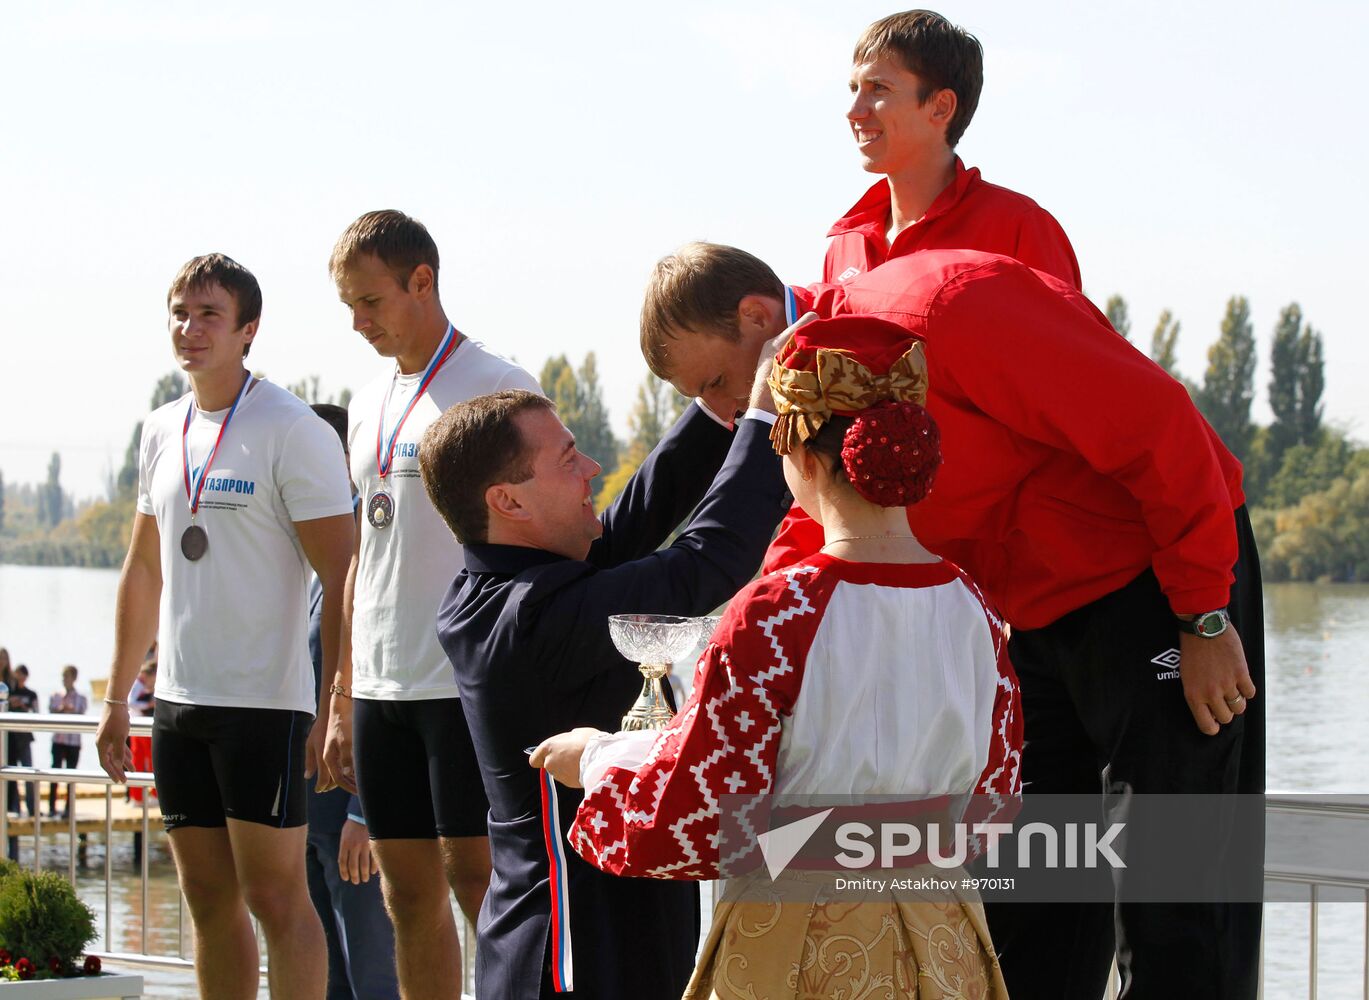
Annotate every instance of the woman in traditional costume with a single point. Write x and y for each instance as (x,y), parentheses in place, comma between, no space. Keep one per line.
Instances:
(871,670)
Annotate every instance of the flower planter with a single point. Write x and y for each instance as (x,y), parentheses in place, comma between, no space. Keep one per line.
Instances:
(106,986)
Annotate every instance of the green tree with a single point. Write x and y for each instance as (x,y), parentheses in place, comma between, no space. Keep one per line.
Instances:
(1229,382)
(1309,468)
(1164,343)
(579,403)
(658,406)
(169,388)
(310,390)
(1326,536)
(306,389)
(1283,380)
(1297,378)
(1311,384)
(1116,311)
(1164,349)
(51,501)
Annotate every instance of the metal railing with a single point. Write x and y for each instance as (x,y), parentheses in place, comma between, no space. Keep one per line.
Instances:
(25,722)
(33,722)
(1316,879)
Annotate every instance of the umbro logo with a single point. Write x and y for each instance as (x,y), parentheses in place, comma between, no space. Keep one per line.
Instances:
(848,274)
(1169,660)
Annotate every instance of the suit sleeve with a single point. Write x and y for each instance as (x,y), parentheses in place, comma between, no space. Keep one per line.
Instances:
(662,493)
(705,566)
(1033,360)
(662,818)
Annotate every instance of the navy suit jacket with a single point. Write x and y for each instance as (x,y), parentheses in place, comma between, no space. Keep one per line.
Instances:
(527,633)
(327,812)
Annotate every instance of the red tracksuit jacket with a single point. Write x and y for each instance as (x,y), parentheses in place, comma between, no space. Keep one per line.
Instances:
(969,214)
(1072,462)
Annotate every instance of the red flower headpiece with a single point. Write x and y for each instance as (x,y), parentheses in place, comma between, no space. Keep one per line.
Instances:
(875,372)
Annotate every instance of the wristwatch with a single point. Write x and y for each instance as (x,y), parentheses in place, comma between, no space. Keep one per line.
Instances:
(1208,625)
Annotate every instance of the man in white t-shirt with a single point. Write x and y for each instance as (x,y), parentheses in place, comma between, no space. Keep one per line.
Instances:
(416,770)
(240,489)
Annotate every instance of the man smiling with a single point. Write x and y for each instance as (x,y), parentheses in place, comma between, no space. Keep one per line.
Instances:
(525,626)
(239,484)
(418,779)
(915,86)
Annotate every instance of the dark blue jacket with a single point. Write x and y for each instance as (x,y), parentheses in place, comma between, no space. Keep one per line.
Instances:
(326,812)
(527,633)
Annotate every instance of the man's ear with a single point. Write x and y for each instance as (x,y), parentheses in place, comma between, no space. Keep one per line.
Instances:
(757,316)
(942,106)
(502,499)
(422,282)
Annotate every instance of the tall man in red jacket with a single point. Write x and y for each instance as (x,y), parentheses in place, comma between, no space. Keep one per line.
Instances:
(1097,509)
(915,85)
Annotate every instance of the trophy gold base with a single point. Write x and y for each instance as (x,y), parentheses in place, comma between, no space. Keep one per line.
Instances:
(650,710)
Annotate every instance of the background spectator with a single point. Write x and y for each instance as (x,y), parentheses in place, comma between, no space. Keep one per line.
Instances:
(66,747)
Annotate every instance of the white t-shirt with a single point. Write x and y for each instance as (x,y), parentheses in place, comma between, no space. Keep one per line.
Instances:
(405,568)
(233,624)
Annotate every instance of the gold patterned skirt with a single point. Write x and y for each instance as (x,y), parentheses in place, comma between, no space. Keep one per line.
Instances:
(801,940)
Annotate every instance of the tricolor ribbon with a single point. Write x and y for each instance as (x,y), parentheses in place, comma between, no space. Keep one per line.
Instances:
(562,970)
(195,488)
(791,306)
(385,457)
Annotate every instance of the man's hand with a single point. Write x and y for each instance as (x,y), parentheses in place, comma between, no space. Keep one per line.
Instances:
(355,862)
(111,742)
(760,390)
(313,749)
(337,769)
(1216,681)
(561,755)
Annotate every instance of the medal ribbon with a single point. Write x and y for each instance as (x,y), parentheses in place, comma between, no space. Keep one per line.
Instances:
(791,307)
(562,968)
(385,458)
(193,490)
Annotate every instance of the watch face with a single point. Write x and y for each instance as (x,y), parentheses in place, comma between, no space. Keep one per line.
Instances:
(1211,624)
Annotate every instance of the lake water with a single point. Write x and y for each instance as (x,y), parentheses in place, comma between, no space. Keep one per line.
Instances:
(1317,693)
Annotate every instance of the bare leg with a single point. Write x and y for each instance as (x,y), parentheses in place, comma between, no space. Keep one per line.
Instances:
(226,958)
(427,950)
(467,863)
(270,866)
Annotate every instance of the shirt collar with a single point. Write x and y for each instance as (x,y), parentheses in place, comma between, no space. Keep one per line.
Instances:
(871,214)
(806,298)
(506,560)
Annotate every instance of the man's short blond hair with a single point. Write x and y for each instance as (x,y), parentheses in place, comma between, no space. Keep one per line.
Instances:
(697,289)
(398,241)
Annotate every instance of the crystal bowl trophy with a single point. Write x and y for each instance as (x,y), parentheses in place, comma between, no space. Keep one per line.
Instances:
(655,642)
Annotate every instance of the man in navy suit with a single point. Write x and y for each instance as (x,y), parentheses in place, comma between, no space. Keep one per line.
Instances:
(525,626)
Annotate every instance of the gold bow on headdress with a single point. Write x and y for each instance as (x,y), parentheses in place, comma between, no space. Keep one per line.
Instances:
(805,400)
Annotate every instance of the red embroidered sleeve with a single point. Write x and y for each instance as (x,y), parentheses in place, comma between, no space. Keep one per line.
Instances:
(663,820)
(998,792)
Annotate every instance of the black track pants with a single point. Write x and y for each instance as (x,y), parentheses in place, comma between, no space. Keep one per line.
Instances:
(1103,708)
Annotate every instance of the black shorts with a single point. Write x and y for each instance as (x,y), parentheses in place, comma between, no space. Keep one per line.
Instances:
(214,764)
(416,770)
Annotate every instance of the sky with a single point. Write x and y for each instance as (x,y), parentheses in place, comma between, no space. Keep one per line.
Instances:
(555,151)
